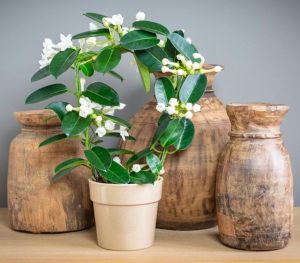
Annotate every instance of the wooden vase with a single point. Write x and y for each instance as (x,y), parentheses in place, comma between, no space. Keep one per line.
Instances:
(254,182)
(188,199)
(34,204)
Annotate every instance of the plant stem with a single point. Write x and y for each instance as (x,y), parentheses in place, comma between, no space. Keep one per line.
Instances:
(77,84)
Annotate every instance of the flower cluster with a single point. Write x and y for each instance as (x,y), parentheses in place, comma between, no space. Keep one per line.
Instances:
(177,109)
(50,49)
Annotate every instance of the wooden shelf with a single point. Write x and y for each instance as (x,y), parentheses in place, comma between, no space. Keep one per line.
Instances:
(169,246)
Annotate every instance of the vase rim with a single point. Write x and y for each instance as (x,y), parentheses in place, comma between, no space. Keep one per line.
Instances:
(260,106)
(123,185)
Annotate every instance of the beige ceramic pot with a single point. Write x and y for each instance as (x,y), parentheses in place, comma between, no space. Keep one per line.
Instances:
(125,214)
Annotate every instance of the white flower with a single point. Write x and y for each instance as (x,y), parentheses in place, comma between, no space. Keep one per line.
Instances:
(189,106)
(189,64)
(160,107)
(181,58)
(86,107)
(162,171)
(69,107)
(165,69)
(120,107)
(140,16)
(93,26)
(49,51)
(109,110)
(181,72)
(196,65)
(98,120)
(109,125)
(91,41)
(171,110)
(136,168)
(161,43)
(165,61)
(117,20)
(218,69)
(82,83)
(188,115)
(196,108)
(125,31)
(96,106)
(66,42)
(173,102)
(188,39)
(100,131)
(106,21)
(117,159)
(123,132)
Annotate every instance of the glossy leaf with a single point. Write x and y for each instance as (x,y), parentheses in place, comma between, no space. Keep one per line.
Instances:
(46,93)
(171,133)
(144,74)
(193,88)
(117,135)
(152,27)
(170,49)
(186,137)
(179,32)
(154,163)
(108,59)
(73,124)
(152,58)
(99,158)
(142,177)
(69,163)
(138,39)
(164,90)
(103,94)
(87,69)
(183,46)
(86,56)
(92,33)
(53,139)
(117,151)
(94,16)
(40,74)
(162,126)
(117,174)
(118,120)
(59,108)
(138,156)
(62,61)
(116,75)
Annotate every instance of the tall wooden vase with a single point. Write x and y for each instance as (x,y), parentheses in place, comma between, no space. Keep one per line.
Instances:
(254,182)
(188,198)
(34,204)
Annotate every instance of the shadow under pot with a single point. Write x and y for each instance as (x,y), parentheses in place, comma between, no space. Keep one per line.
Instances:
(254,182)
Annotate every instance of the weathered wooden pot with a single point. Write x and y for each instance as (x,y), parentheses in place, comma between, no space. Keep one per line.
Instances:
(188,199)
(254,182)
(34,204)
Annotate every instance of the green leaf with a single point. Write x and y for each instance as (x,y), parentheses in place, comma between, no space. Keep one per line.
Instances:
(163,123)
(171,133)
(103,94)
(118,120)
(179,32)
(59,108)
(117,135)
(99,158)
(183,46)
(117,151)
(170,49)
(193,88)
(92,33)
(69,163)
(164,90)
(144,73)
(138,39)
(94,16)
(40,74)
(152,58)
(116,75)
(62,61)
(117,174)
(52,139)
(152,27)
(86,56)
(154,163)
(73,124)
(142,177)
(186,137)
(138,156)
(46,93)
(87,69)
(108,59)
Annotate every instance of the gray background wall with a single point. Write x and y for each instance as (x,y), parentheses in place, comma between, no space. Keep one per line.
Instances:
(257,41)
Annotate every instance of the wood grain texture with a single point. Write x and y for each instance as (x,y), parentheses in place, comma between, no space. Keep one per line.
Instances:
(254,191)
(35,205)
(188,200)
(169,246)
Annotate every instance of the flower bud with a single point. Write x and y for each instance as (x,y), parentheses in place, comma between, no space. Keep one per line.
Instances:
(165,61)
(189,115)
(69,107)
(165,69)
(189,40)
(181,72)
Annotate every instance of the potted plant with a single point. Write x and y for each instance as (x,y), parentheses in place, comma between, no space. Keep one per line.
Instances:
(125,195)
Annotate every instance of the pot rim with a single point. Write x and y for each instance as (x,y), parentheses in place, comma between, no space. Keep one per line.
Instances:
(123,185)
(265,106)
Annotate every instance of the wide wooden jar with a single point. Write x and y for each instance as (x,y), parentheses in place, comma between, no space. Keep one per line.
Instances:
(34,204)
(188,199)
(254,183)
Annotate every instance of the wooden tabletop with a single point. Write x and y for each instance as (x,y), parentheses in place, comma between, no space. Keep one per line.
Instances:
(169,246)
